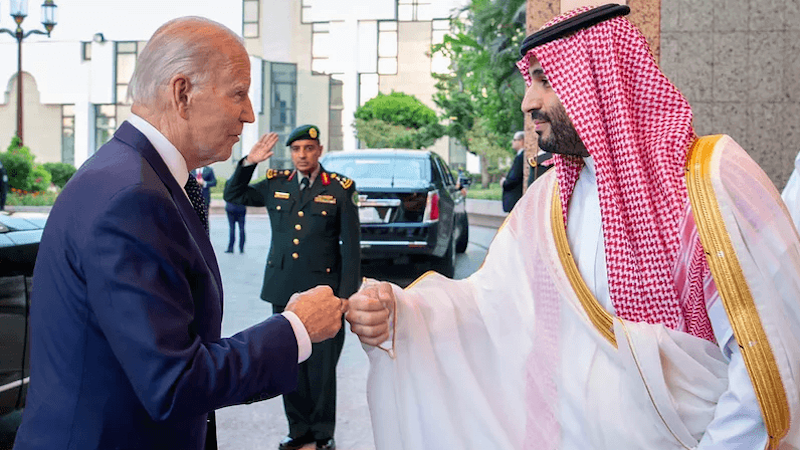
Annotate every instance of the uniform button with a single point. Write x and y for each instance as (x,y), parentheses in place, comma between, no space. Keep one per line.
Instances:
(328,270)
(278,207)
(324,213)
(295,255)
(300,213)
(296,241)
(298,227)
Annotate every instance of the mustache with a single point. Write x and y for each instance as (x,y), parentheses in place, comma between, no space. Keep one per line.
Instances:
(540,116)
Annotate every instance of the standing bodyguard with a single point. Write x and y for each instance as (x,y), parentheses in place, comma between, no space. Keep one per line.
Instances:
(512,182)
(311,211)
(126,314)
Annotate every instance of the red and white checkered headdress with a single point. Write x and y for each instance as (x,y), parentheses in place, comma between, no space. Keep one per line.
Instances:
(638,128)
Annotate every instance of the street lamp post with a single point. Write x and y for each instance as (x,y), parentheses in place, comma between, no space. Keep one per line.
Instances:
(19,10)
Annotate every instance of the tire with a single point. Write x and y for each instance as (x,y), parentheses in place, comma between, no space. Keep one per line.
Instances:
(446,265)
(463,237)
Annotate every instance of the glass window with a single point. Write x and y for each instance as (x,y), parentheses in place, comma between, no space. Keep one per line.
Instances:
(126,47)
(125,64)
(68,134)
(414,10)
(105,123)
(387,66)
(283,107)
(320,47)
(250,16)
(86,51)
(387,47)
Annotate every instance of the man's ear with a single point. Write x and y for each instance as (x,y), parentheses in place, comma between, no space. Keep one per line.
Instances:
(180,91)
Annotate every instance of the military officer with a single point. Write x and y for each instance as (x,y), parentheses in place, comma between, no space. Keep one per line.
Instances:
(311,210)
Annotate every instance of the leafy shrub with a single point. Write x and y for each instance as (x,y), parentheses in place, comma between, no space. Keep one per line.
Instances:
(39,178)
(60,172)
(399,109)
(18,162)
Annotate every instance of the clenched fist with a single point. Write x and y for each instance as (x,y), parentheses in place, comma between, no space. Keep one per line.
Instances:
(369,312)
(320,311)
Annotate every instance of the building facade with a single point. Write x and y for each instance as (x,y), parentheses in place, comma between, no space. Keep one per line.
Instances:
(312,61)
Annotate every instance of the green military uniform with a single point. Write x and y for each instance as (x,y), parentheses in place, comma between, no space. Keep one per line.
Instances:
(306,252)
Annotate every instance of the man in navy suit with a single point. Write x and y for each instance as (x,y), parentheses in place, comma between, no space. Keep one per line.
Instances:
(127,305)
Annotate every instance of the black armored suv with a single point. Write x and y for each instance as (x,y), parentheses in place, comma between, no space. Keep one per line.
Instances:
(20,234)
(409,205)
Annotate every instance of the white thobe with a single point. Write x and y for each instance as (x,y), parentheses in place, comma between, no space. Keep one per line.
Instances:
(737,421)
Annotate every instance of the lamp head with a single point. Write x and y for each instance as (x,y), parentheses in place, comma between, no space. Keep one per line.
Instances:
(19,10)
(49,15)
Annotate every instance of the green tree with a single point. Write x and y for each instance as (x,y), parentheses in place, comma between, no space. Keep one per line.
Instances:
(396,120)
(483,88)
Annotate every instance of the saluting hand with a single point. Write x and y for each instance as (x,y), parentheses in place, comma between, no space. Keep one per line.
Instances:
(370,311)
(263,148)
(320,311)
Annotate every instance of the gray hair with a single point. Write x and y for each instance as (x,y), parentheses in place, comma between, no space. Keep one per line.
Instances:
(180,46)
(519,135)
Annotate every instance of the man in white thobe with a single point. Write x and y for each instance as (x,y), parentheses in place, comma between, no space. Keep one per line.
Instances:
(643,295)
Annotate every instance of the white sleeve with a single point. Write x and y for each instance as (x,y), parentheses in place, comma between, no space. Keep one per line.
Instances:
(737,422)
(301,334)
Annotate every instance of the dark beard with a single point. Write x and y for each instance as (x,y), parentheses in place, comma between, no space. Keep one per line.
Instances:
(563,138)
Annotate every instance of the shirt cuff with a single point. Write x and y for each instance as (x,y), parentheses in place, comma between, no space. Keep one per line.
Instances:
(300,333)
(246,162)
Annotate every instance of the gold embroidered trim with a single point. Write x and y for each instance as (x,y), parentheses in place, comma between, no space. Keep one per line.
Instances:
(602,320)
(735,293)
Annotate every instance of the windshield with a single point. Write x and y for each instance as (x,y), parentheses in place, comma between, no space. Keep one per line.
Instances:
(397,169)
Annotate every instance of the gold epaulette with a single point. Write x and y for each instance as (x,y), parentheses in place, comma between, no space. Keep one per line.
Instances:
(344,181)
(272,173)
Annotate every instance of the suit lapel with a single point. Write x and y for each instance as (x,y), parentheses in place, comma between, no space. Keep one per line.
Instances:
(128,134)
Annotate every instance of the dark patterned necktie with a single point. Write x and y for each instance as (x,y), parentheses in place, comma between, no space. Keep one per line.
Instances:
(195,193)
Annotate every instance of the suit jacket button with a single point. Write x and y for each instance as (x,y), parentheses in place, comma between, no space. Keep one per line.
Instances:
(295,255)
(298,227)
(300,213)
(328,270)
(278,207)
(296,241)
(324,213)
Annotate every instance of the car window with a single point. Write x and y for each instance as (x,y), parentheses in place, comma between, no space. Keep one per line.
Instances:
(444,174)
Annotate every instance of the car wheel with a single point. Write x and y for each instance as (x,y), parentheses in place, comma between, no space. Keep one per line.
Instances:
(463,237)
(446,265)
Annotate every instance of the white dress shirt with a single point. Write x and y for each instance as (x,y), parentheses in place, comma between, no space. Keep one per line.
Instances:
(737,421)
(176,164)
